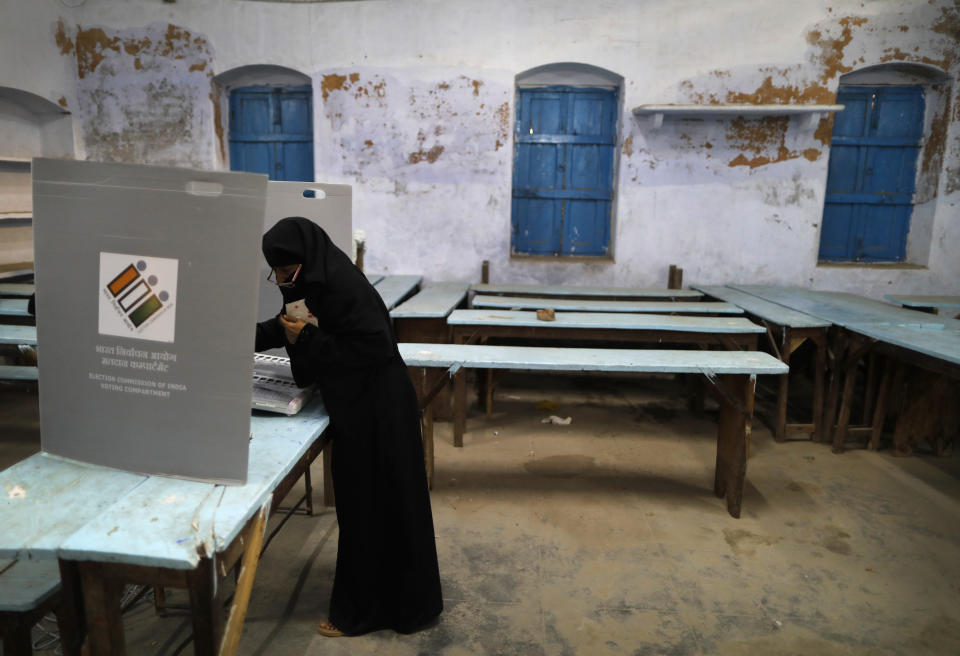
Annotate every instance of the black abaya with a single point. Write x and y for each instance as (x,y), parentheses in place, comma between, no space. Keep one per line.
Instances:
(387,574)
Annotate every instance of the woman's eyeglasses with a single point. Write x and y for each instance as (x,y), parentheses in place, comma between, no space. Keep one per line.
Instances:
(272,277)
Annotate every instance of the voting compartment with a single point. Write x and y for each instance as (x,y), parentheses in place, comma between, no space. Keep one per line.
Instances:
(146,308)
(327,205)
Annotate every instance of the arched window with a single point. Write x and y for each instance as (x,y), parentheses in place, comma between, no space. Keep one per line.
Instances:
(271,122)
(872,176)
(564,153)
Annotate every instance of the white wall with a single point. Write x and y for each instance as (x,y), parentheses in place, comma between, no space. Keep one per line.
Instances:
(414,108)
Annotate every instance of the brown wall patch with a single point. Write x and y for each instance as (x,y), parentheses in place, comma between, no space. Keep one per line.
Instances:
(332,82)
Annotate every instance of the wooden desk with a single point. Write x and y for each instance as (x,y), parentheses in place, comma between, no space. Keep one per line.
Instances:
(931,304)
(16,289)
(925,411)
(18,334)
(423,318)
(560,303)
(730,373)
(854,315)
(394,289)
(787,329)
(109,527)
(14,307)
(574,291)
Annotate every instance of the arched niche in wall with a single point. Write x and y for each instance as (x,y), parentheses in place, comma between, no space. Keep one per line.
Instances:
(565,162)
(930,89)
(30,126)
(243,77)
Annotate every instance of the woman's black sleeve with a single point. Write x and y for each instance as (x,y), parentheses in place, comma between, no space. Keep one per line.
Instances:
(270,335)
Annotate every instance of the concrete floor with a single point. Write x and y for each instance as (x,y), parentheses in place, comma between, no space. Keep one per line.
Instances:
(604,537)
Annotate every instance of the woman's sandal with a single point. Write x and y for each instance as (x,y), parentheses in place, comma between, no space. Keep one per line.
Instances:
(327,629)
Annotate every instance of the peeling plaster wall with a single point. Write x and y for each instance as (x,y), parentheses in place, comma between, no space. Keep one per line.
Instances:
(414,104)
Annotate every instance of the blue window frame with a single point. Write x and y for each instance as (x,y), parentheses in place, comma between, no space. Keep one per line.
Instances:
(271,131)
(564,142)
(871,175)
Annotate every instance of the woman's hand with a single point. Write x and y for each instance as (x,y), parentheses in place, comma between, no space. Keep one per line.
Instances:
(291,326)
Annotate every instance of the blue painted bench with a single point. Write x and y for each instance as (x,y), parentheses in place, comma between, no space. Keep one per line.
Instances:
(787,329)
(574,291)
(29,589)
(732,332)
(732,374)
(109,527)
(395,289)
(593,305)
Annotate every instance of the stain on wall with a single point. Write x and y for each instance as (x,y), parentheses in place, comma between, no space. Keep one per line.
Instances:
(144,93)
(385,126)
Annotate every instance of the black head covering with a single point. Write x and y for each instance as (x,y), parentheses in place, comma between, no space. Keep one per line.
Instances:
(296,240)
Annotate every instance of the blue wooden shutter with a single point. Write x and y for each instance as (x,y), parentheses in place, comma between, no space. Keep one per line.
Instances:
(271,131)
(563,171)
(871,174)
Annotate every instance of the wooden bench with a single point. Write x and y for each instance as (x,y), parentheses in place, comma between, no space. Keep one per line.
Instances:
(787,329)
(731,332)
(602,305)
(395,289)
(29,589)
(732,375)
(109,527)
(575,291)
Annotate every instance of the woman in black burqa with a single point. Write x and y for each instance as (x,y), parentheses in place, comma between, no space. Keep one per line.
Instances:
(387,574)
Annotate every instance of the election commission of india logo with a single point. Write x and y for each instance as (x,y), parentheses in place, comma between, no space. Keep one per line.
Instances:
(138,296)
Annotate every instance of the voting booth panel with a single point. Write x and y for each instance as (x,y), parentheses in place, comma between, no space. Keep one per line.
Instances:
(327,205)
(146,310)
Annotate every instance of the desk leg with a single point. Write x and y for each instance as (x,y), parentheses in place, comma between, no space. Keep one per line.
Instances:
(70,618)
(880,409)
(428,443)
(459,406)
(206,608)
(819,376)
(833,395)
(101,602)
(733,434)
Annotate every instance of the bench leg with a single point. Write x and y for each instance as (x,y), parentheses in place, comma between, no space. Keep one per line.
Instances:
(733,434)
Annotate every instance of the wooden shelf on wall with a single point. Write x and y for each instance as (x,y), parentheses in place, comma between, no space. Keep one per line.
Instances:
(656,113)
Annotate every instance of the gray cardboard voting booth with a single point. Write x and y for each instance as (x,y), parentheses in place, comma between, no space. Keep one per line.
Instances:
(146,308)
(327,205)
